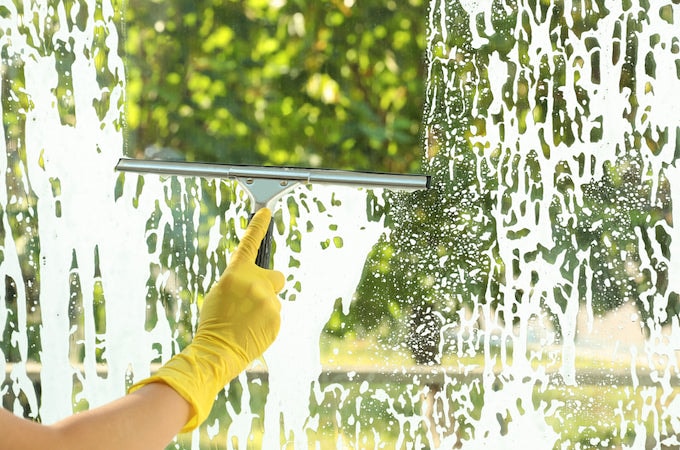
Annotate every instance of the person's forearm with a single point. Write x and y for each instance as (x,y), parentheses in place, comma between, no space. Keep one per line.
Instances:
(22,434)
(147,419)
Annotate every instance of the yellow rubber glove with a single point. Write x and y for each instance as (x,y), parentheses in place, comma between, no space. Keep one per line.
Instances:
(239,320)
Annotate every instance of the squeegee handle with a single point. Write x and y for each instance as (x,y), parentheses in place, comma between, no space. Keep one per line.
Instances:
(264,254)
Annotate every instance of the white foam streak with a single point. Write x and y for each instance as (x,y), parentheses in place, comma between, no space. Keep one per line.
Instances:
(80,158)
(294,359)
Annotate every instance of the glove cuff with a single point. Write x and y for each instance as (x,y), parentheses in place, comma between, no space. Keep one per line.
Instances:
(197,374)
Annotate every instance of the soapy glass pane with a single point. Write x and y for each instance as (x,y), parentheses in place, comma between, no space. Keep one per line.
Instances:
(528,298)
(549,126)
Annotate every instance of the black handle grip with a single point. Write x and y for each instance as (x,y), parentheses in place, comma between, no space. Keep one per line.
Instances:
(264,254)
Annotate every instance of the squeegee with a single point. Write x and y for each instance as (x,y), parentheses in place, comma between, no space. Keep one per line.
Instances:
(266,184)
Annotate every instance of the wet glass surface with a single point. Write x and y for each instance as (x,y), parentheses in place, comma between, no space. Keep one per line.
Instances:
(528,297)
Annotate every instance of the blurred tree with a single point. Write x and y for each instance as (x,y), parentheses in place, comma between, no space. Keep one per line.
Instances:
(443,252)
(311,83)
(438,255)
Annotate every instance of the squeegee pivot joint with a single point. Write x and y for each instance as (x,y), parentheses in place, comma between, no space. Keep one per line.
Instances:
(265,191)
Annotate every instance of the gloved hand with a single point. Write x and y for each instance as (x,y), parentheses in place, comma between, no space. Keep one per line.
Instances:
(239,320)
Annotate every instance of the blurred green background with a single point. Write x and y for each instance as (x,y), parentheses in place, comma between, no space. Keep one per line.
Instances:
(320,84)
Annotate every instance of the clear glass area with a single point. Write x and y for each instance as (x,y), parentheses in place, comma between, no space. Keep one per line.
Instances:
(527,298)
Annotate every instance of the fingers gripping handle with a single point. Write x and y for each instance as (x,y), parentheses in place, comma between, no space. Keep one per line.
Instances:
(264,253)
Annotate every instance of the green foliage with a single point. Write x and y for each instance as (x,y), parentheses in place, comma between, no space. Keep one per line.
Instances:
(312,83)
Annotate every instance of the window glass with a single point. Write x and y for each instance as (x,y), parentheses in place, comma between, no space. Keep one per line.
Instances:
(527,297)
(322,84)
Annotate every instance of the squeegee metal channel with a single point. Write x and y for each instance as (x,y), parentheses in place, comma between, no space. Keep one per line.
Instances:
(326,176)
